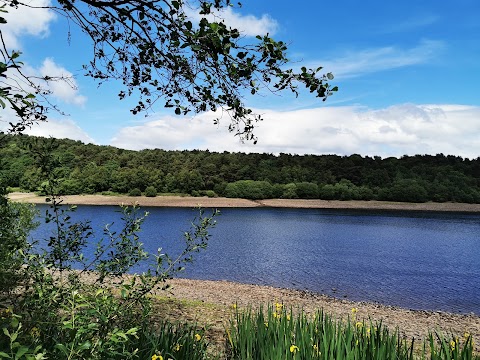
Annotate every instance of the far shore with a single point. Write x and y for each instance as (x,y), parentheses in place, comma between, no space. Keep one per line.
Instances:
(221,202)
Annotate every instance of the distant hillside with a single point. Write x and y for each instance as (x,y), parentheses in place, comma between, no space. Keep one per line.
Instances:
(95,169)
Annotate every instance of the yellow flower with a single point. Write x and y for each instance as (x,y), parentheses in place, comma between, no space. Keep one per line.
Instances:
(278,306)
(157,357)
(197,337)
(34,332)
(266,324)
(177,347)
(359,324)
(452,345)
(5,313)
(288,317)
(275,315)
(234,306)
(294,349)
(354,313)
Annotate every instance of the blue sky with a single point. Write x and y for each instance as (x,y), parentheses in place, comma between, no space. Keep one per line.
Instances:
(408,73)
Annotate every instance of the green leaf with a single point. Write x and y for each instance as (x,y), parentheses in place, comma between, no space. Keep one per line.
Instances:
(62,348)
(4,355)
(21,351)
(86,345)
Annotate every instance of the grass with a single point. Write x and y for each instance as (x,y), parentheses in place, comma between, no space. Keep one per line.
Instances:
(192,329)
(275,333)
(279,334)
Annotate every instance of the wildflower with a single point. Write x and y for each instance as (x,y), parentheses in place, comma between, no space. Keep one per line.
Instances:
(34,332)
(368,332)
(359,324)
(234,306)
(294,349)
(6,313)
(157,357)
(266,324)
(275,315)
(177,347)
(452,345)
(354,313)
(197,337)
(315,347)
(288,317)
(278,306)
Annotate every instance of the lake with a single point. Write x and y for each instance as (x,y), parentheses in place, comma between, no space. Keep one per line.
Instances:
(417,260)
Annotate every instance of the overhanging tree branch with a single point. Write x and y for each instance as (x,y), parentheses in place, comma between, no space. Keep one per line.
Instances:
(158,53)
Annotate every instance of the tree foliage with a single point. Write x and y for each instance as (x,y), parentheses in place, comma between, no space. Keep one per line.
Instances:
(160,53)
(91,168)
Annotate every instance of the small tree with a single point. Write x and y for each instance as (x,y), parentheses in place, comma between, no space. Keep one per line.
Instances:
(16,221)
(150,191)
(135,192)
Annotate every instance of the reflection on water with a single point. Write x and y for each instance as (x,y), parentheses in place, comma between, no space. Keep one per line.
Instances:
(416,260)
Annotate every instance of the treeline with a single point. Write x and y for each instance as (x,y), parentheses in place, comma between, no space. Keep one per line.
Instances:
(87,168)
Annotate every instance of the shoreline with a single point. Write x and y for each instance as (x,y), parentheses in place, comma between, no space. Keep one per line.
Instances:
(221,202)
(409,322)
(210,302)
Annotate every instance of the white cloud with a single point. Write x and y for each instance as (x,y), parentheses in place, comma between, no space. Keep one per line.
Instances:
(248,25)
(60,129)
(413,23)
(358,63)
(393,131)
(26,20)
(65,90)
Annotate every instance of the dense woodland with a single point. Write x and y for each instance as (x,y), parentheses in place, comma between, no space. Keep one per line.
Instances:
(88,168)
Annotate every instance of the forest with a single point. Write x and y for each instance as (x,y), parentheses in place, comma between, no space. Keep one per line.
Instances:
(89,169)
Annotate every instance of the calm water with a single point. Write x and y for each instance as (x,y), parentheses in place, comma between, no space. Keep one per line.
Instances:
(416,260)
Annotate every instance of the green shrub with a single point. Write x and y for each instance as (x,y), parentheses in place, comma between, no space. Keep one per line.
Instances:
(16,221)
(210,193)
(150,191)
(135,192)
(195,193)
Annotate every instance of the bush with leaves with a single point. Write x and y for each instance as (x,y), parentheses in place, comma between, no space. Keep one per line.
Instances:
(83,307)
(135,192)
(16,221)
(150,191)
